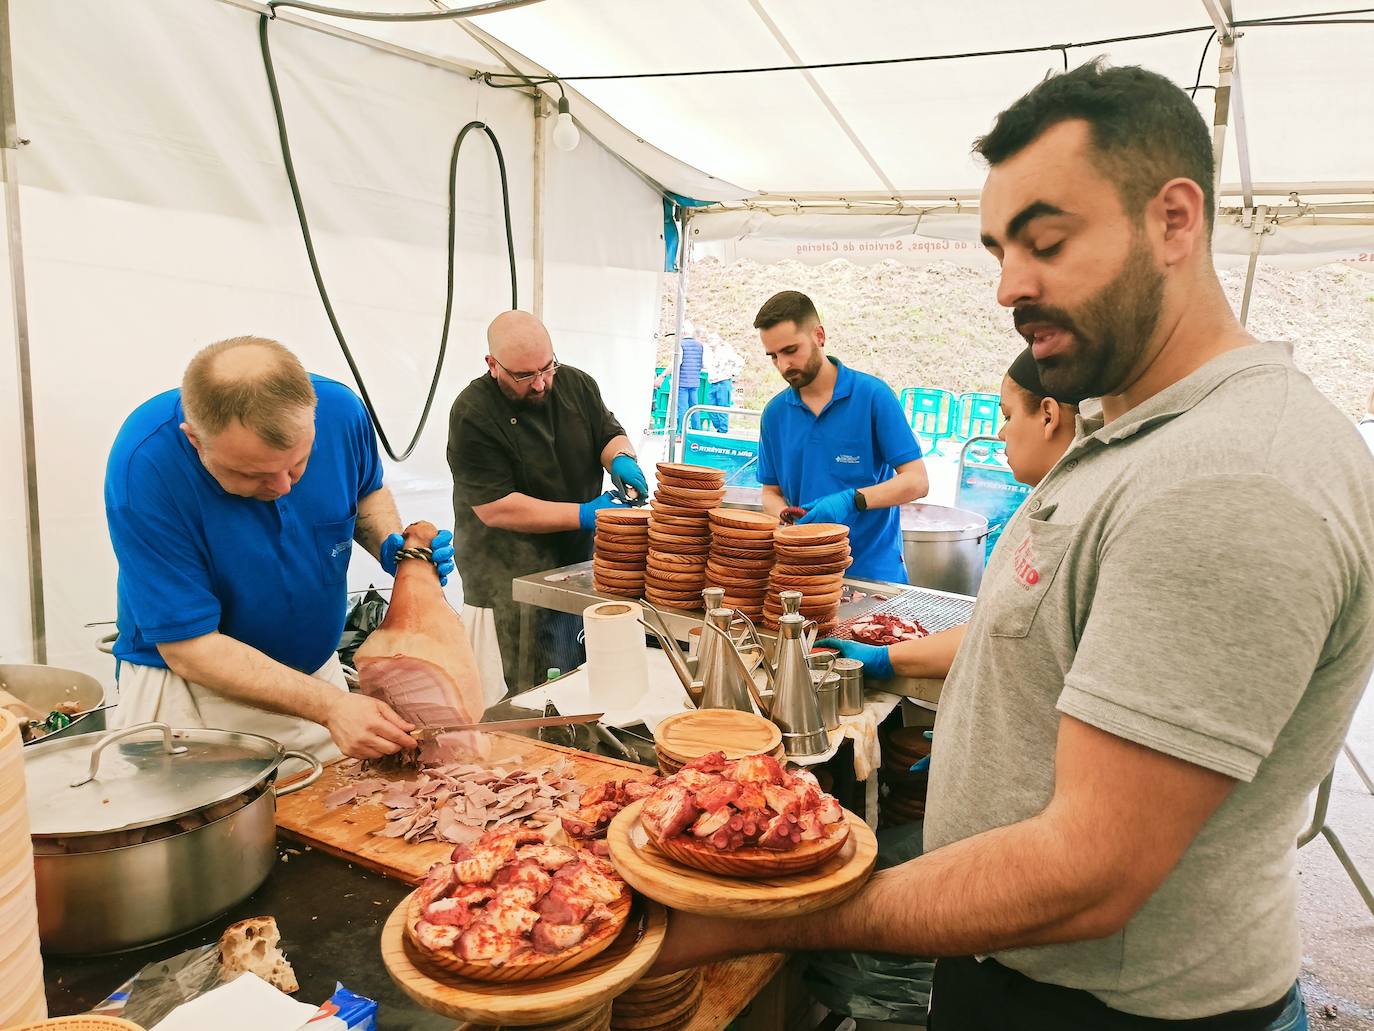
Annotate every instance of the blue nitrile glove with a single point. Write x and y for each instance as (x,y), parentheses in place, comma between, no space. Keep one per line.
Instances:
(626,473)
(833,508)
(441,553)
(586,512)
(876,662)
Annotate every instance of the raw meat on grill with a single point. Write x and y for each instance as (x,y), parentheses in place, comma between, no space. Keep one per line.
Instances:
(883,628)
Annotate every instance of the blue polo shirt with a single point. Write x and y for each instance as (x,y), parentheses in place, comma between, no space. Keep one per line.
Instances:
(858,440)
(194,559)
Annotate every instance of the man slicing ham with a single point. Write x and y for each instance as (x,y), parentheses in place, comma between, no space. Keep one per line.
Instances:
(233,505)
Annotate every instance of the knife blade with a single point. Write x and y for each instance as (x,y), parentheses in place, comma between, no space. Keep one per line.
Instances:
(425,733)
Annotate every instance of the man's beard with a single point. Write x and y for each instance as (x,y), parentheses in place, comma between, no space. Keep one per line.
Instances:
(1110,331)
(801,378)
(529,400)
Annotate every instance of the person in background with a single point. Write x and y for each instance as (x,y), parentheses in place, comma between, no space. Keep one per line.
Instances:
(836,442)
(687,375)
(723,363)
(1168,647)
(529,444)
(233,504)
(1037,430)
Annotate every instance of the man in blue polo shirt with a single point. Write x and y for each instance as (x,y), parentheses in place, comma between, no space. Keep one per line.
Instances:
(836,443)
(233,504)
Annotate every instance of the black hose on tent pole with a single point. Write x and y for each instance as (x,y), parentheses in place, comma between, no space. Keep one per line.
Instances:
(452,227)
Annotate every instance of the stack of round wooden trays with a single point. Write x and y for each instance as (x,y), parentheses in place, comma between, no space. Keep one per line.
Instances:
(680,533)
(621,551)
(902,792)
(21,965)
(659,1003)
(809,558)
(741,558)
(689,735)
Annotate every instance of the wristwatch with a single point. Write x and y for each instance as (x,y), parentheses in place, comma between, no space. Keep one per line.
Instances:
(860,502)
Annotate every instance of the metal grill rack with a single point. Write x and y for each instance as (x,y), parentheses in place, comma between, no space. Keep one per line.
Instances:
(932,610)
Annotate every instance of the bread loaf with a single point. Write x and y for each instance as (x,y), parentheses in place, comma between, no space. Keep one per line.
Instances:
(253,945)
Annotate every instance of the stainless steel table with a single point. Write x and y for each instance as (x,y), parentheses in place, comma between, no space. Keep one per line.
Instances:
(569,589)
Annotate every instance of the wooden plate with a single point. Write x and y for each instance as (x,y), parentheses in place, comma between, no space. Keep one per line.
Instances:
(695,891)
(685,736)
(811,534)
(686,502)
(682,471)
(622,516)
(678,545)
(815,569)
(661,507)
(527,968)
(744,519)
(615,565)
(679,525)
(559,996)
(666,1011)
(668,559)
(752,863)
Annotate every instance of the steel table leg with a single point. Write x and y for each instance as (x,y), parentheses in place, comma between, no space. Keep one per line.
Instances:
(524,674)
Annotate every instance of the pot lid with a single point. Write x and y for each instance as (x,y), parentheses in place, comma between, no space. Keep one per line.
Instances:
(921,521)
(139,776)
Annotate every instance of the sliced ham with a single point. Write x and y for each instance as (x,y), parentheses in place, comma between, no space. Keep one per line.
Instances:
(419,660)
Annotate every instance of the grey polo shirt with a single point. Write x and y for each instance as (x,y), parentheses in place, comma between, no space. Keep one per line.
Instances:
(1197,577)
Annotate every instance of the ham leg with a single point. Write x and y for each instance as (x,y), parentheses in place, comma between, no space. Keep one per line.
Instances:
(419,660)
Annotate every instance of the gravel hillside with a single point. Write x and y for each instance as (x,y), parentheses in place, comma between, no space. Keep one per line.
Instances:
(939,325)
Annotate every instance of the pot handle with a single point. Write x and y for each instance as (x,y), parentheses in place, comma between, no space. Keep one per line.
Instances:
(117,735)
(317,768)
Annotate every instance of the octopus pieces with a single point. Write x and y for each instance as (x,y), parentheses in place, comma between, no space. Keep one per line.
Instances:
(511,895)
(748,803)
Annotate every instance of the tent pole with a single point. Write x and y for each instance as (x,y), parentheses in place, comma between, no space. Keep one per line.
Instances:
(9,171)
(541,158)
(1222,110)
(1257,232)
(684,215)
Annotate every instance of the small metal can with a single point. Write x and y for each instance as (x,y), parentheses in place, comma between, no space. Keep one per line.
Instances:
(827,687)
(851,674)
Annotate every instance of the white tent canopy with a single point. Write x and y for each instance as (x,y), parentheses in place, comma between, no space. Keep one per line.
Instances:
(156,216)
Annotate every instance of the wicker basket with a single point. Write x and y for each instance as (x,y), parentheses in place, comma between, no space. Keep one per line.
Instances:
(82,1022)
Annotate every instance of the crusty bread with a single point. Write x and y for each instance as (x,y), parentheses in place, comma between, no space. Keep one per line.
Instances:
(254,945)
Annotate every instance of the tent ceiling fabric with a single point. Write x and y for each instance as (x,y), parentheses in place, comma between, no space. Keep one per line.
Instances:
(1304,87)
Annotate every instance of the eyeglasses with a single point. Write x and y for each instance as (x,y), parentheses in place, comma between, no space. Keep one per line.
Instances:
(526,377)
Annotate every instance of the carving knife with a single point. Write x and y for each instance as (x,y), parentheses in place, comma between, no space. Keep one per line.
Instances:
(425,733)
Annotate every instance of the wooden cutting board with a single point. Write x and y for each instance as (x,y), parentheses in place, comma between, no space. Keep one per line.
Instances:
(346,831)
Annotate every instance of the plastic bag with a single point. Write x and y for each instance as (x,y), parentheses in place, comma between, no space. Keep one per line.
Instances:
(872,985)
(365,616)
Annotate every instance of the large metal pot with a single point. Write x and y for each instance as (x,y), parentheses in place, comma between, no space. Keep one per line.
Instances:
(148,832)
(943,548)
(47,687)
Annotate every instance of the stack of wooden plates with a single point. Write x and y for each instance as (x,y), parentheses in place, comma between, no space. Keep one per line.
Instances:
(21,965)
(810,558)
(689,735)
(622,548)
(741,558)
(598,1019)
(680,533)
(902,794)
(659,1003)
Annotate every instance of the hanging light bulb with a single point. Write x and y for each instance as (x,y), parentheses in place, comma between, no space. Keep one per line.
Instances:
(565,134)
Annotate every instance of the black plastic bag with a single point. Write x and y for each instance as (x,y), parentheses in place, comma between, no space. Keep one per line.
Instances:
(365,616)
(871,985)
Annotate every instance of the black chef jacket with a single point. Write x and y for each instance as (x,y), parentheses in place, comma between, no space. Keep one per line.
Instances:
(551,452)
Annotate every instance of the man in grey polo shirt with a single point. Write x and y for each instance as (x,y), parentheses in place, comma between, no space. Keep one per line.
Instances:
(1172,634)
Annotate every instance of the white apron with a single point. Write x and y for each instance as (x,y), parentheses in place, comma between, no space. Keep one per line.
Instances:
(486,651)
(150,693)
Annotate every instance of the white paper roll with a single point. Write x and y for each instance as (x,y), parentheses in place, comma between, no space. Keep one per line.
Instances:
(617,662)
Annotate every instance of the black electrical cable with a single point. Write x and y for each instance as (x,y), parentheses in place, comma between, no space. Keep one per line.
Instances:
(1197,83)
(1307,18)
(452,226)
